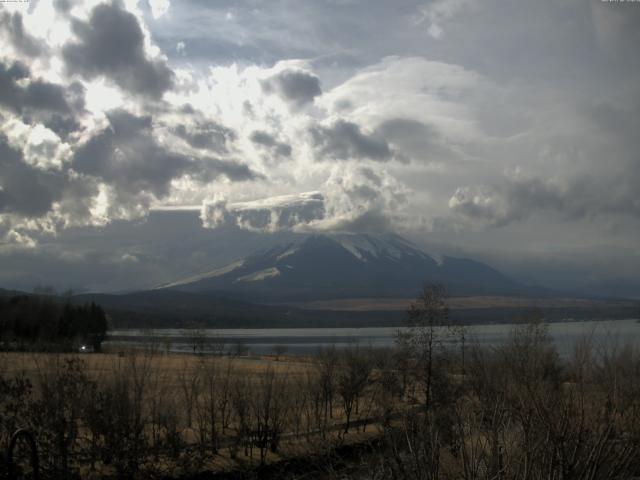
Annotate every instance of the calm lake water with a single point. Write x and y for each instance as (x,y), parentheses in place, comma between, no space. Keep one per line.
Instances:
(301,341)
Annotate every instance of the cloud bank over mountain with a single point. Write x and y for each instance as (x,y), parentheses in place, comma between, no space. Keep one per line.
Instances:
(482,125)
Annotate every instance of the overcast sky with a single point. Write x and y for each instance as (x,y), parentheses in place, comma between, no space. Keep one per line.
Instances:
(506,131)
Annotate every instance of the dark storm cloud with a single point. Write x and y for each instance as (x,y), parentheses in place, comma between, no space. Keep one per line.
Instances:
(127,156)
(63,124)
(345,140)
(206,135)
(21,40)
(268,141)
(518,199)
(499,206)
(25,191)
(63,6)
(112,44)
(206,170)
(31,192)
(37,94)
(414,138)
(295,86)
(602,190)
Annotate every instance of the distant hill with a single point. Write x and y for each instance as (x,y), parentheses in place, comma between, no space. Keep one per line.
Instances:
(324,267)
(341,281)
(166,308)
(10,293)
(177,309)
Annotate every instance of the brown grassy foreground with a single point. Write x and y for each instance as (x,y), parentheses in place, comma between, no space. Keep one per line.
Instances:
(462,303)
(147,414)
(514,412)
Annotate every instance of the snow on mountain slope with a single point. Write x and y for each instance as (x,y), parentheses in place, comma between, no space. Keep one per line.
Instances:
(290,251)
(366,247)
(258,276)
(202,276)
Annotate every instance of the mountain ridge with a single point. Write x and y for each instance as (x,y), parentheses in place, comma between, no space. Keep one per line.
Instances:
(347,265)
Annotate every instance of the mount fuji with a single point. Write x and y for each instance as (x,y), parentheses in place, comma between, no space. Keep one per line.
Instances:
(336,266)
(341,280)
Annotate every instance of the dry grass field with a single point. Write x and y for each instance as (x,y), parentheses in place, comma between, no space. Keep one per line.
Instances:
(517,411)
(460,303)
(170,366)
(188,413)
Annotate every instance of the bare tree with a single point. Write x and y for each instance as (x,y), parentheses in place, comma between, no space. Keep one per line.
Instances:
(388,386)
(425,315)
(352,377)
(279,350)
(62,387)
(117,418)
(327,363)
(300,399)
(240,349)
(269,409)
(198,340)
(189,383)
(218,344)
(241,407)
(209,404)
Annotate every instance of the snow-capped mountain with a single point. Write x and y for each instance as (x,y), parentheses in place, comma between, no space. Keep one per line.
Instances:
(346,266)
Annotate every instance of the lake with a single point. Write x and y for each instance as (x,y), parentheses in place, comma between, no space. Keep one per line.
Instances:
(303,341)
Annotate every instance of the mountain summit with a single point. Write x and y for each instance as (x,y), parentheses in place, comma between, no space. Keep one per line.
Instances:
(346,266)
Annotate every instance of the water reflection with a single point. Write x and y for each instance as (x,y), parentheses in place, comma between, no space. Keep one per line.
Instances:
(301,341)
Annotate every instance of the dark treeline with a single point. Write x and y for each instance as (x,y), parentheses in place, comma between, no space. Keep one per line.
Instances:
(50,322)
(175,309)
